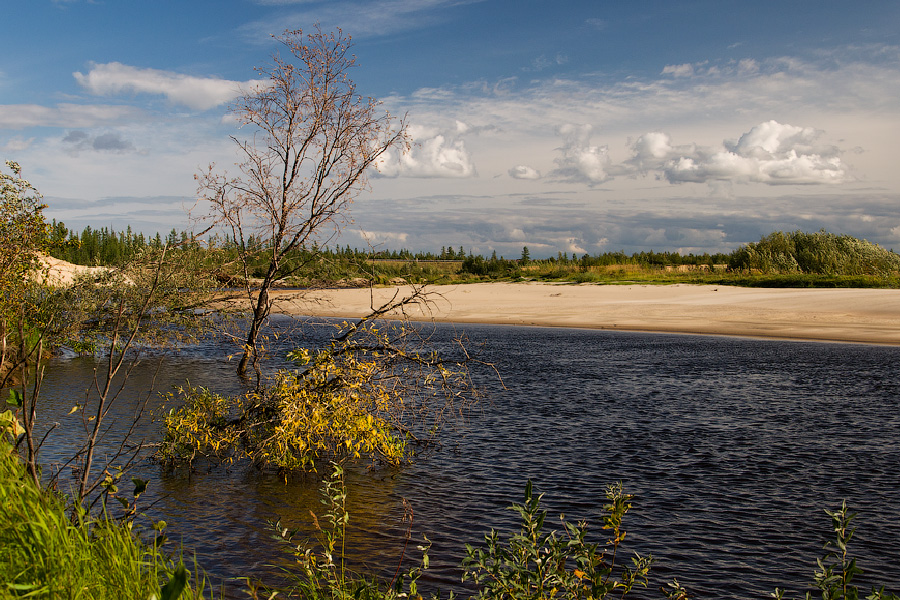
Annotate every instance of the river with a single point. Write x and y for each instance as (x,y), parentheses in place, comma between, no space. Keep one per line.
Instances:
(732,447)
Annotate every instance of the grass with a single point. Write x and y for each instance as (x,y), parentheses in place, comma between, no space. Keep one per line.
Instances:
(49,553)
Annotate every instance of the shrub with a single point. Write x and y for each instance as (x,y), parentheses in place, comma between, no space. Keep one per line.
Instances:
(322,570)
(534,564)
(836,570)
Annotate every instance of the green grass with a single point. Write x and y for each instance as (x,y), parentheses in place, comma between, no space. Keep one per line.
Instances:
(45,553)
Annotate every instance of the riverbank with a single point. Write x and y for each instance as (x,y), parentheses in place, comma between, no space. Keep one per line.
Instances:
(841,315)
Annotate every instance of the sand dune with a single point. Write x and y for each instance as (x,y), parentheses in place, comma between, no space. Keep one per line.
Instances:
(56,272)
(846,315)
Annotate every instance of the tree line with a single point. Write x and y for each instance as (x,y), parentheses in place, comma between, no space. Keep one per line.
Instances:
(820,252)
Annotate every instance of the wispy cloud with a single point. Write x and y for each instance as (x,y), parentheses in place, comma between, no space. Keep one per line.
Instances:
(198,93)
(361,19)
(22,116)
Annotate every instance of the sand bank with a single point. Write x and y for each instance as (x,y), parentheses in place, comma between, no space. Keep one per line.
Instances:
(59,273)
(845,315)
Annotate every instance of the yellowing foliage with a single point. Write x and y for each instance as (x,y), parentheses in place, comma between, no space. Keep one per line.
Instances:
(350,400)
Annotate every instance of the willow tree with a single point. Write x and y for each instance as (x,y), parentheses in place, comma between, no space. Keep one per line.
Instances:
(313,143)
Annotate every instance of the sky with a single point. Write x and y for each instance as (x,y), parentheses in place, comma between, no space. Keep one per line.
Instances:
(576,126)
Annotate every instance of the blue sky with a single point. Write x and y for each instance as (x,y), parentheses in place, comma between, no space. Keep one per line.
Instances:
(568,126)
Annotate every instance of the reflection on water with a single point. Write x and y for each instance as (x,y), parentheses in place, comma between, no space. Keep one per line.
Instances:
(733,448)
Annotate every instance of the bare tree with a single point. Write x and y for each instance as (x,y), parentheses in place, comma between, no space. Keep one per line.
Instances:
(315,140)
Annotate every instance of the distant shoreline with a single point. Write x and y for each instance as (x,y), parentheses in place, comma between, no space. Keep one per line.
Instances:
(862,315)
(870,316)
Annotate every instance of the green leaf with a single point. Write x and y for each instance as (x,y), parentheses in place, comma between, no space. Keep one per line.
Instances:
(15,398)
(176,585)
(140,486)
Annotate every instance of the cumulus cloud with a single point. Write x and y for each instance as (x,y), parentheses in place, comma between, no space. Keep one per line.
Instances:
(650,152)
(199,93)
(433,153)
(106,142)
(771,153)
(580,162)
(524,172)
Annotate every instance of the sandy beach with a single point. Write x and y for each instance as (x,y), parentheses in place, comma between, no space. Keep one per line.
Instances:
(842,315)
(869,316)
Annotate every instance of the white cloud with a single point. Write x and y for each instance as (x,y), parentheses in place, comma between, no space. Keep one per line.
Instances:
(685,70)
(199,93)
(22,116)
(580,161)
(651,150)
(772,138)
(771,153)
(376,238)
(17,144)
(524,172)
(434,153)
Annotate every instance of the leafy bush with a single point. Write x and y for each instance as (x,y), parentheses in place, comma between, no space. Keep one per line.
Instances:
(836,570)
(323,573)
(534,564)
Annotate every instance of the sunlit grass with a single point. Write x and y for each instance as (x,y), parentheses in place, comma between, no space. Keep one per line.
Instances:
(46,553)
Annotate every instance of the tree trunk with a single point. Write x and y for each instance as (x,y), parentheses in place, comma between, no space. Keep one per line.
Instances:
(260,312)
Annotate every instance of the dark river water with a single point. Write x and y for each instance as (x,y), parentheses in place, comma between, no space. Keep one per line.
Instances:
(732,447)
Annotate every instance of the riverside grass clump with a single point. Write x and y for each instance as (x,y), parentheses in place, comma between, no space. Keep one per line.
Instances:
(820,253)
(54,550)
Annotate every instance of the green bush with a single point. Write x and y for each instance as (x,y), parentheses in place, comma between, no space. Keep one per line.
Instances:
(836,570)
(533,564)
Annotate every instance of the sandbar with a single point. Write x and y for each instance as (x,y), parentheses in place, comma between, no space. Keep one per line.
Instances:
(870,316)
